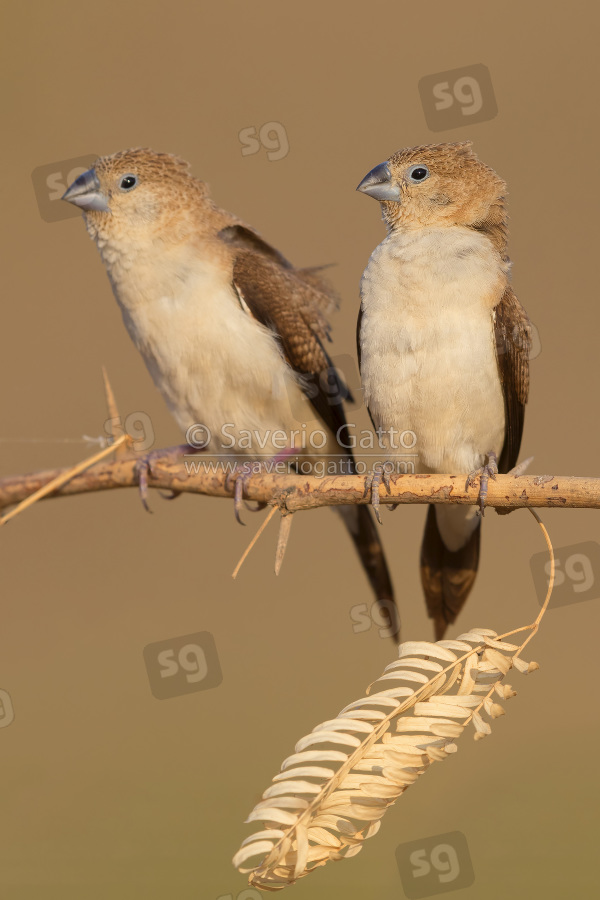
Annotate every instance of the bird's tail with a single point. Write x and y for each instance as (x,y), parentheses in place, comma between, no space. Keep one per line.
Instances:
(447,575)
(363,531)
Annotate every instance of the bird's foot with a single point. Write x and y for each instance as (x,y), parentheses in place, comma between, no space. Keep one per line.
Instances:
(238,479)
(241,475)
(484,473)
(143,469)
(381,473)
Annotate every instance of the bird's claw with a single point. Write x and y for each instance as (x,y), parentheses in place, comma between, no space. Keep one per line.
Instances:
(143,468)
(373,481)
(484,473)
(173,495)
(239,479)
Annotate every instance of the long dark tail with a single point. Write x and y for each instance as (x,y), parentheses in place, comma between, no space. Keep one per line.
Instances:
(363,531)
(447,576)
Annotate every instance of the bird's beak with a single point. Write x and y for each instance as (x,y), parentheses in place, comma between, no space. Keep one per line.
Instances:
(85,192)
(378,184)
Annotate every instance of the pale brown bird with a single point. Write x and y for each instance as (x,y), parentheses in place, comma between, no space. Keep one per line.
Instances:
(444,342)
(230,331)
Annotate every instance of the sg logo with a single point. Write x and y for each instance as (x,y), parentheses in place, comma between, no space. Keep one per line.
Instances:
(384,615)
(7,712)
(435,865)
(183,665)
(138,425)
(272,136)
(51,181)
(575,575)
(458,97)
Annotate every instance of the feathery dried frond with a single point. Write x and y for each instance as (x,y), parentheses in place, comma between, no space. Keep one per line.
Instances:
(333,790)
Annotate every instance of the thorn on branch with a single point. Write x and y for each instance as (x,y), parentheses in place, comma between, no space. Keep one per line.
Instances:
(115,422)
(285,526)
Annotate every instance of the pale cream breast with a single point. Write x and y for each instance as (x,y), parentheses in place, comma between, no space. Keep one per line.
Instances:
(214,364)
(428,353)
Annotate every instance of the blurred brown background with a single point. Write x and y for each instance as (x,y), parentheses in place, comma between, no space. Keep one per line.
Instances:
(105,790)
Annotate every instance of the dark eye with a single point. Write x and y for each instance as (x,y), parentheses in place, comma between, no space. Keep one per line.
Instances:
(417,173)
(128,182)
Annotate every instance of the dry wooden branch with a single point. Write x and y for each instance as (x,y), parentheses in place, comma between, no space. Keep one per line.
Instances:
(296,492)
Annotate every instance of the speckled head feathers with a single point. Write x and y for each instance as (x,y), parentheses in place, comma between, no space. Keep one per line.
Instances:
(145,192)
(150,166)
(443,184)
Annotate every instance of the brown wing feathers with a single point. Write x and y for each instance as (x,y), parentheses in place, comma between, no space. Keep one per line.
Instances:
(293,304)
(513,345)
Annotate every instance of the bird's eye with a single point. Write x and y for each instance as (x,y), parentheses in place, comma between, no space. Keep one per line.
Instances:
(417,174)
(128,182)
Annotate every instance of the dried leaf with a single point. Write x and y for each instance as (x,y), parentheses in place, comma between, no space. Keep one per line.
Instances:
(257,848)
(327,737)
(272,814)
(305,772)
(497,659)
(343,724)
(294,787)
(314,756)
(391,737)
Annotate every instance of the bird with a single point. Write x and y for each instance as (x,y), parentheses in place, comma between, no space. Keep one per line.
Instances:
(444,344)
(231,332)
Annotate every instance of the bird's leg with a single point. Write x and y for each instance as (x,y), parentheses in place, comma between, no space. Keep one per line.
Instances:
(380,473)
(242,474)
(490,470)
(143,468)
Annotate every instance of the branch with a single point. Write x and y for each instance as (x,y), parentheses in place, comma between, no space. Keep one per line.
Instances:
(167,471)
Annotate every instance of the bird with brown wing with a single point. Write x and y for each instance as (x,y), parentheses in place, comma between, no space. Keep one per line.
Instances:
(231,332)
(444,343)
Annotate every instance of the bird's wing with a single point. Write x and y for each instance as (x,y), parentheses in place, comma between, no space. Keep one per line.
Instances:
(242,237)
(358,338)
(513,345)
(293,304)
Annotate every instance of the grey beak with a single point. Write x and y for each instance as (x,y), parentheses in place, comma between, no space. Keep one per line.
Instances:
(85,192)
(378,184)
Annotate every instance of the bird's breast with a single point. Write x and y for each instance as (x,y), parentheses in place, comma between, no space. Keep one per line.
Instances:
(213,362)
(427,344)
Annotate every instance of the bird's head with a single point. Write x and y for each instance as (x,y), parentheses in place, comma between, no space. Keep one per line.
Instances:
(137,193)
(436,184)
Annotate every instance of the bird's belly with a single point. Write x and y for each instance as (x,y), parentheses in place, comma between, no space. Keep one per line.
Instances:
(218,368)
(449,398)
(428,353)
